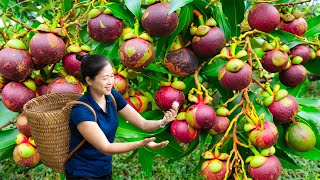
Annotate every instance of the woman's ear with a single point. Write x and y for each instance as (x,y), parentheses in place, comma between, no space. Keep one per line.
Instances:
(88,80)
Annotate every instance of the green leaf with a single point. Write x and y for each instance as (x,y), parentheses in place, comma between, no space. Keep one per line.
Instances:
(203,139)
(173,149)
(189,81)
(110,50)
(176,4)
(191,147)
(146,160)
(313,66)
(260,108)
(234,11)
(126,130)
(313,27)
(6,115)
(159,50)
(184,22)
(154,67)
(221,19)
(66,6)
(7,152)
(285,160)
(287,38)
(214,68)
(7,138)
(299,90)
(4,5)
(309,102)
(200,5)
(151,76)
(134,7)
(120,12)
(310,114)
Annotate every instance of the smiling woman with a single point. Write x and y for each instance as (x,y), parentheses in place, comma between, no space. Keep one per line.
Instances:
(93,159)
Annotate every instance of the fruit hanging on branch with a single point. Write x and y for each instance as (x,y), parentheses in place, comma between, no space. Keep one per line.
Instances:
(276,58)
(282,106)
(156,20)
(294,74)
(10,99)
(15,61)
(302,51)
(26,155)
(180,60)
(168,93)
(46,47)
(120,80)
(292,21)
(22,125)
(103,27)
(300,137)
(221,122)
(181,130)
(137,52)
(64,84)
(264,17)
(137,100)
(208,39)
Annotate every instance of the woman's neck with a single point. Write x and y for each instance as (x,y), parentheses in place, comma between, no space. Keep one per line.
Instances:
(99,98)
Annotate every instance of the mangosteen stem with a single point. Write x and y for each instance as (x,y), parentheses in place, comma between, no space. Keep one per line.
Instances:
(262,124)
(254,150)
(216,150)
(3,37)
(231,99)
(19,22)
(233,49)
(236,106)
(261,85)
(199,16)
(136,27)
(217,56)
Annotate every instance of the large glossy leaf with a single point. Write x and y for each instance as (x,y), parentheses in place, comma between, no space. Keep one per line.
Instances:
(134,7)
(4,5)
(127,130)
(214,68)
(173,149)
(313,66)
(287,38)
(6,115)
(234,11)
(299,90)
(154,67)
(184,22)
(310,114)
(66,6)
(285,160)
(313,27)
(120,12)
(146,160)
(7,152)
(176,4)
(110,50)
(221,19)
(7,138)
(191,147)
(309,102)
(200,5)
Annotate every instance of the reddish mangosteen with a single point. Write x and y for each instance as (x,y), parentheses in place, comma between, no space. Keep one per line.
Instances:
(26,155)
(156,20)
(120,83)
(200,116)
(15,64)
(182,62)
(42,89)
(293,76)
(284,110)
(64,84)
(138,102)
(208,169)
(300,137)
(72,65)
(274,61)
(22,125)
(105,28)
(220,125)
(302,51)
(46,48)
(297,26)
(181,130)
(210,44)
(235,75)
(266,137)
(136,53)
(166,95)
(15,95)
(264,17)
(270,170)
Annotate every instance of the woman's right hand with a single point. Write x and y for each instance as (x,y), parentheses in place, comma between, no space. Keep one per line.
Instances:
(149,143)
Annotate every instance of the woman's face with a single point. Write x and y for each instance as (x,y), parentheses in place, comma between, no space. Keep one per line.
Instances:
(103,82)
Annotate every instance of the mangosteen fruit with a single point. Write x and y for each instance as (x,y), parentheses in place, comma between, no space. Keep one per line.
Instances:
(284,110)
(182,62)
(104,28)
(264,17)
(166,95)
(297,26)
(300,137)
(136,53)
(293,76)
(274,60)
(156,20)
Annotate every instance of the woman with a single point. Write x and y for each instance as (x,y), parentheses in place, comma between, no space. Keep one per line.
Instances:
(93,159)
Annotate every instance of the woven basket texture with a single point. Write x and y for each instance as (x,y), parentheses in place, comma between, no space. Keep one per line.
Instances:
(48,117)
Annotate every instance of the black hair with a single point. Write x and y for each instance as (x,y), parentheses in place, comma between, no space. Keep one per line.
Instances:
(91,65)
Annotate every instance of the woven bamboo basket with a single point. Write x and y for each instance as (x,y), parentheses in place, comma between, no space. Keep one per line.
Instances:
(48,117)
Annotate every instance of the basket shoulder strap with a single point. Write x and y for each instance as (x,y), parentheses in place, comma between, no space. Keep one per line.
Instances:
(114,102)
